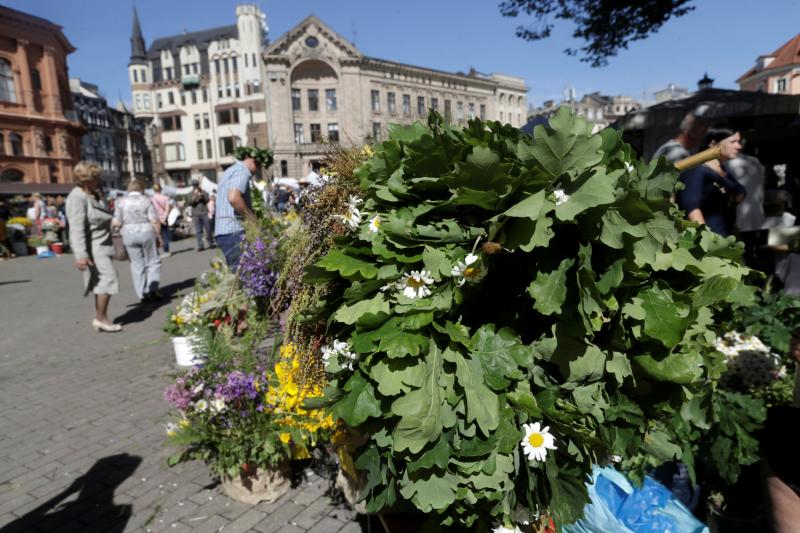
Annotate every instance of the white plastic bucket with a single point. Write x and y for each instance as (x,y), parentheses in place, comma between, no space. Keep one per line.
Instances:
(184,352)
(42,250)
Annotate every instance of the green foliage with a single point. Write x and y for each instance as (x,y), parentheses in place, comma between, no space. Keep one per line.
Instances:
(592,318)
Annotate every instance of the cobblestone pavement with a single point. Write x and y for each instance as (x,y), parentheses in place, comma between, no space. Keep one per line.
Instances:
(82,415)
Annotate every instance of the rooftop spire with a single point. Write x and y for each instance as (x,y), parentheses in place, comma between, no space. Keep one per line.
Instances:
(138,53)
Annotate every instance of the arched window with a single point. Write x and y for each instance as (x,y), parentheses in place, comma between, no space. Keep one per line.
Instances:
(11,174)
(15,140)
(8,92)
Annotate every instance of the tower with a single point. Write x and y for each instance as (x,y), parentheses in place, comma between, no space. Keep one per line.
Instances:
(139,74)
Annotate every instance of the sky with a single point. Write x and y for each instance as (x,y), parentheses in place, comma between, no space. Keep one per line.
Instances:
(720,37)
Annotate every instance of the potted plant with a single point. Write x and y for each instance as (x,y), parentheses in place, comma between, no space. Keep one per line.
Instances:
(500,313)
(38,244)
(223,419)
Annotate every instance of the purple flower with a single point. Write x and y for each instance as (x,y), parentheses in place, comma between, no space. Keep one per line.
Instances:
(256,268)
(178,395)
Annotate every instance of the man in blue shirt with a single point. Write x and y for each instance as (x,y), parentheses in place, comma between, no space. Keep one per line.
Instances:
(233,201)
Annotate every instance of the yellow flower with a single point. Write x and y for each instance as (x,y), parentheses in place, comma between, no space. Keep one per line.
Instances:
(285,437)
(184,423)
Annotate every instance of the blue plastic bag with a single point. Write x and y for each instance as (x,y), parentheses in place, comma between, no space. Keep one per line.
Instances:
(617,506)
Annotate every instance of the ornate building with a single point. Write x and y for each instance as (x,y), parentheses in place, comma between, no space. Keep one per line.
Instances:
(205,92)
(201,95)
(321,88)
(39,133)
(113,137)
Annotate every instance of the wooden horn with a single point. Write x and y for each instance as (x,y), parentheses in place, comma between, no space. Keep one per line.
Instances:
(698,159)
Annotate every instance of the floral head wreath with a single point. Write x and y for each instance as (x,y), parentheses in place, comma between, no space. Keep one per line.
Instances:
(262,156)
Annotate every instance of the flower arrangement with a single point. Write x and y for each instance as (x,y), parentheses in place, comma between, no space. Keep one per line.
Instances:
(223,418)
(525,308)
(22,222)
(256,267)
(50,227)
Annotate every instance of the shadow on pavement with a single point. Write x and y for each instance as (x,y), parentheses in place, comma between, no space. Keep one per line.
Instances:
(143,311)
(94,509)
(15,281)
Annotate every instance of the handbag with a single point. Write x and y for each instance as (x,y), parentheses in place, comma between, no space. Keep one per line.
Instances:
(120,252)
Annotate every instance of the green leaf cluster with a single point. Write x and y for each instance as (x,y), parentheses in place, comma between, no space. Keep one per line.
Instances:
(594,319)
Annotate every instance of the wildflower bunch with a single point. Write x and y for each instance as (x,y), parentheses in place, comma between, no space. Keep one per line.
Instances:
(257,269)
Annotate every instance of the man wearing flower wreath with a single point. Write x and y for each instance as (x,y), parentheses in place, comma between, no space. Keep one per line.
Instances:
(233,200)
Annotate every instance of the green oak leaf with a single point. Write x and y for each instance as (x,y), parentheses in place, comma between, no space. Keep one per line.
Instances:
(348,266)
(482,403)
(358,403)
(549,289)
(420,409)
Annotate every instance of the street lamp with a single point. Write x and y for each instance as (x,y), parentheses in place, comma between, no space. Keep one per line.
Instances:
(705,82)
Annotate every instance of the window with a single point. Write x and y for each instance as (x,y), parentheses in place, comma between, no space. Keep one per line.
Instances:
(36,80)
(459,110)
(295,99)
(219,91)
(471,110)
(420,105)
(138,101)
(197,124)
(171,98)
(227,145)
(216,66)
(15,140)
(780,85)
(245,61)
(48,144)
(435,104)
(236,89)
(228,116)
(376,101)
(171,123)
(501,116)
(234,64)
(209,153)
(144,76)
(174,152)
(447,112)
(183,98)
(205,95)
(298,134)
(316,133)
(406,104)
(199,149)
(228,90)
(483,111)
(313,100)
(194,97)
(376,131)
(391,105)
(225,65)
(284,168)
(206,121)
(330,99)
(8,92)
(168,73)
(135,76)
(146,101)
(333,132)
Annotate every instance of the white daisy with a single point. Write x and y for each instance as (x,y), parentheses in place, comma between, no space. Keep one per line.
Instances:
(537,441)
(506,529)
(415,284)
(560,196)
(201,406)
(171,429)
(628,168)
(354,202)
(341,352)
(375,224)
(217,405)
(469,270)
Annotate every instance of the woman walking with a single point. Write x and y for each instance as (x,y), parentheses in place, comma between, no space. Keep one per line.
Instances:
(90,240)
(137,217)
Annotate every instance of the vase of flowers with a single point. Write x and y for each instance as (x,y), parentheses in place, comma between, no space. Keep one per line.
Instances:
(185,351)
(224,419)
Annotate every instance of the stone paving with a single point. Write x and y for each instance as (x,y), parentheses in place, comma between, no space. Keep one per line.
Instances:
(82,418)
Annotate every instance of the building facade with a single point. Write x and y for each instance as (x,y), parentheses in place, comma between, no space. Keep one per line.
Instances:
(113,137)
(39,131)
(775,73)
(321,88)
(201,95)
(599,109)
